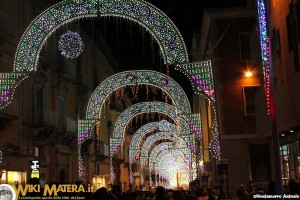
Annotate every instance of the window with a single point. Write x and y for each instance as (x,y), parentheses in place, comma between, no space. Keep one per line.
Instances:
(245,46)
(248,94)
(260,162)
(277,60)
(61,113)
(39,98)
(291,24)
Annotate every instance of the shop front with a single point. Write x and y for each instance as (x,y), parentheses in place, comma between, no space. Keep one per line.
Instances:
(290,163)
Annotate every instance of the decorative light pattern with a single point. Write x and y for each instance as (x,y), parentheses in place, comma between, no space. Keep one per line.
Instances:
(201,76)
(150,141)
(84,133)
(146,15)
(168,163)
(8,84)
(70,44)
(1,157)
(215,148)
(158,107)
(194,122)
(135,143)
(146,107)
(139,77)
(164,161)
(165,146)
(164,126)
(265,48)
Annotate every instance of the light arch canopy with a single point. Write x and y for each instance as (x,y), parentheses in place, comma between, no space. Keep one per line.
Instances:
(146,15)
(139,77)
(150,141)
(140,134)
(147,107)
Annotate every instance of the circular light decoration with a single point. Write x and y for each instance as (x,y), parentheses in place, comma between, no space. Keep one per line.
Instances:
(164,126)
(70,44)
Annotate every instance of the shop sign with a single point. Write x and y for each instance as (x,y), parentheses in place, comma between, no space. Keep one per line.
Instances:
(35,169)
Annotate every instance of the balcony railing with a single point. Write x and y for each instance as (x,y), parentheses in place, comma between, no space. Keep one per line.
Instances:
(47,117)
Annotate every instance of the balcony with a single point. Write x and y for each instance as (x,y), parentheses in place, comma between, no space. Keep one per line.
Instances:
(71,125)
(46,117)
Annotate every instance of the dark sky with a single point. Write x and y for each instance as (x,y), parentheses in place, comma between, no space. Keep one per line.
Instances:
(135,49)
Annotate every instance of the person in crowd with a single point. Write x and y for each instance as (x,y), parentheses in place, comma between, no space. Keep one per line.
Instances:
(292,186)
(199,195)
(160,193)
(242,193)
(251,190)
(100,193)
(177,195)
(116,191)
(271,188)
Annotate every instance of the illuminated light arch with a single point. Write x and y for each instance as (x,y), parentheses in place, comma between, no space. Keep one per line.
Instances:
(146,107)
(150,141)
(135,144)
(139,77)
(157,150)
(168,162)
(146,15)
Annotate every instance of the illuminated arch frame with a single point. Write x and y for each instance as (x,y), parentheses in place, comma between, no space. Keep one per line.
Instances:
(138,77)
(163,168)
(151,18)
(150,142)
(134,147)
(145,107)
(135,143)
(156,151)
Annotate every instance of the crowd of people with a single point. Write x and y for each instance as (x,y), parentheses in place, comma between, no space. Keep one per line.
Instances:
(160,194)
(248,192)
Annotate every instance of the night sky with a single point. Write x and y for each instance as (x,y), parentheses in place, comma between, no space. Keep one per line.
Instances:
(135,49)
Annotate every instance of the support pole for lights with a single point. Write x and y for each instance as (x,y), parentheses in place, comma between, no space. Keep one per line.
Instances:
(264,24)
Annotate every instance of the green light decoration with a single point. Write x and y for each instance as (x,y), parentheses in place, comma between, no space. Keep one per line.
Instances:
(140,77)
(146,15)
(201,76)
(8,84)
(194,122)
(84,133)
